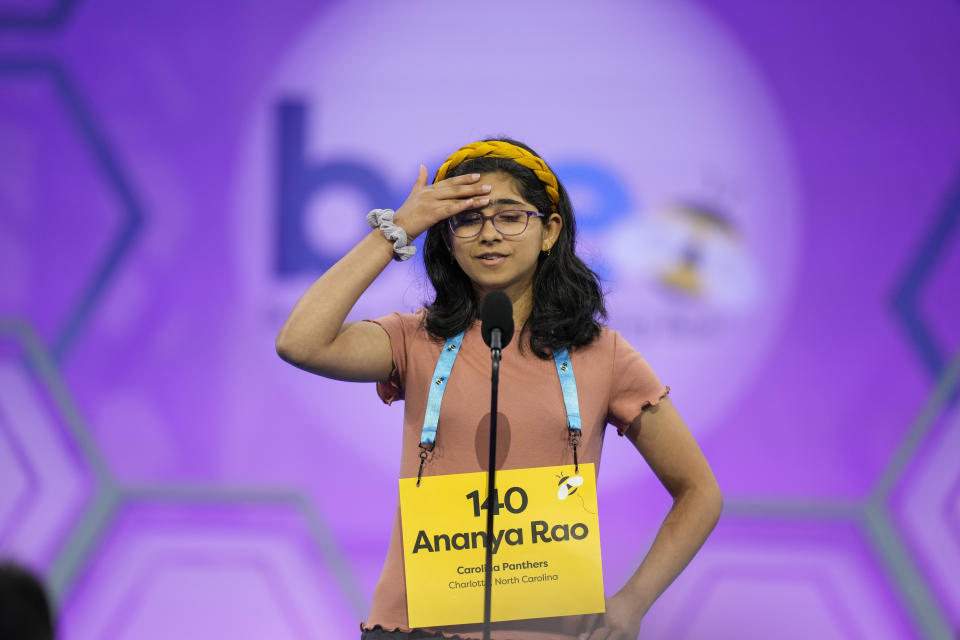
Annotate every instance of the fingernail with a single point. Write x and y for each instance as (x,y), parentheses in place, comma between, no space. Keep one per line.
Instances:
(483,200)
(475,176)
(486,188)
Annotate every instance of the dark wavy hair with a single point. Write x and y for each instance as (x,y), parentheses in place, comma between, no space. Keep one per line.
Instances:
(567,299)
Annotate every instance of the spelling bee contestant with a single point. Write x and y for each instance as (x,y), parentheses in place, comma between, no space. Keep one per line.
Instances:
(497,218)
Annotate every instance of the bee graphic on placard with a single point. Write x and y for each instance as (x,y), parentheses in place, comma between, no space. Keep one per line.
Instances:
(568,486)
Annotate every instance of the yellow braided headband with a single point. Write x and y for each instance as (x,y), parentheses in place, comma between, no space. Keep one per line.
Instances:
(499,149)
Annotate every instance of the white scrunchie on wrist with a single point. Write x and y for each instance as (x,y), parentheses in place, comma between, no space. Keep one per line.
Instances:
(383,218)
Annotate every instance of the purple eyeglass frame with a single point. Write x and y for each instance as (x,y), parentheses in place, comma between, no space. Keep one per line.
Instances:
(492,219)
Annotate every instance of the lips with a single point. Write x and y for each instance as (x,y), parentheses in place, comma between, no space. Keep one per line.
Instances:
(491,258)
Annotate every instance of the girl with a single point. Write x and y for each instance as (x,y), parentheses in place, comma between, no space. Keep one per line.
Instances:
(497,218)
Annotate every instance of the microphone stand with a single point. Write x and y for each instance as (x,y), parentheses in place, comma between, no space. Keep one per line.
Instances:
(495,348)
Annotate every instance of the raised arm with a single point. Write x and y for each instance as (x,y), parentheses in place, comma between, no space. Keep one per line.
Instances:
(315,336)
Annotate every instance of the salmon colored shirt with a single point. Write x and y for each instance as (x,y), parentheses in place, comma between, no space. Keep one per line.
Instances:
(614,384)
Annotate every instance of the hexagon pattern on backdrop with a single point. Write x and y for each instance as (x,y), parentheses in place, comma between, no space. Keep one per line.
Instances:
(762,579)
(44,480)
(57,163)
(32,15)
(252,570)
(923,299)
(927,509)
(207,571)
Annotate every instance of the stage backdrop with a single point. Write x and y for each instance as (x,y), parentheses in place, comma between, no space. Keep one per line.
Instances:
(770,191)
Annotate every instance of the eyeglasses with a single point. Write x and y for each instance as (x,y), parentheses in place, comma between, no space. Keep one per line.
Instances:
(510,222)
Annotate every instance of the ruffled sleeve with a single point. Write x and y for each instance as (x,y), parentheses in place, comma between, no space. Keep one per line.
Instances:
(393,388)
(634,386)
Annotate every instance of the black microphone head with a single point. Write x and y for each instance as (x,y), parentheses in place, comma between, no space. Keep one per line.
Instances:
(496,312)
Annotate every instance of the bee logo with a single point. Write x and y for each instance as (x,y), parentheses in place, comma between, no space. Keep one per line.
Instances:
(568,486)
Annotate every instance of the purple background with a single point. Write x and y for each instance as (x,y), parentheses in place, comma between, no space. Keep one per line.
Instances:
(169,476)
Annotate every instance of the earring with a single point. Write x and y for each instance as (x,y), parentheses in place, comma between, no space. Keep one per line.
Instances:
(548,253)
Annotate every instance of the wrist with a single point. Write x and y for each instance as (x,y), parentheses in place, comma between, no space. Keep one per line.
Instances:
(409,229)
(403,220)
(634,593)
(383,219)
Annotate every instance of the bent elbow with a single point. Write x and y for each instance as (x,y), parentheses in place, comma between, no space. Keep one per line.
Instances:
(710,500)
(284,348)
(301,355)
(715,501)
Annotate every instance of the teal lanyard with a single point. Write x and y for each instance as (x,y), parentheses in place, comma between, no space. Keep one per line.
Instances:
(441,375)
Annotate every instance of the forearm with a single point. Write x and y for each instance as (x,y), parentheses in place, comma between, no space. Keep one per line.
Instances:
(319,314)
(690,520)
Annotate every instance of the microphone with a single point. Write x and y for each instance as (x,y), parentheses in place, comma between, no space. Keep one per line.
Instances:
(496,319)
(496,326)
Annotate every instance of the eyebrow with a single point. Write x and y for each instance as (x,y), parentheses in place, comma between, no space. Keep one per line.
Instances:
(500,201)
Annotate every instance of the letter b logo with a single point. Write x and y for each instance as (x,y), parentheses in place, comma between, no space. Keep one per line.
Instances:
(298,182)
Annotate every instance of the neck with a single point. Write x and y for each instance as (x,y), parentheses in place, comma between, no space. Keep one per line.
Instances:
(522,300)
(522,307)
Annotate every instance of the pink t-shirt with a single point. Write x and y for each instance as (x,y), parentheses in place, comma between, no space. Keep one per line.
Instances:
(614,384)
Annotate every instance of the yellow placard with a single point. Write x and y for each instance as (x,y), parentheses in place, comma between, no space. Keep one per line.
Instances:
(546,545)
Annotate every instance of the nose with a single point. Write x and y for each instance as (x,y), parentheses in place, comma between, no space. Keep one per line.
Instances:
(488,231)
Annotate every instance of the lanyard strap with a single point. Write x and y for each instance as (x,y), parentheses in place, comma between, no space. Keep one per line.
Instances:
(569,386)
(441,375)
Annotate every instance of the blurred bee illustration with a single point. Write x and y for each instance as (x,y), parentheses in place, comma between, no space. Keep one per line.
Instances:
(568,486)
